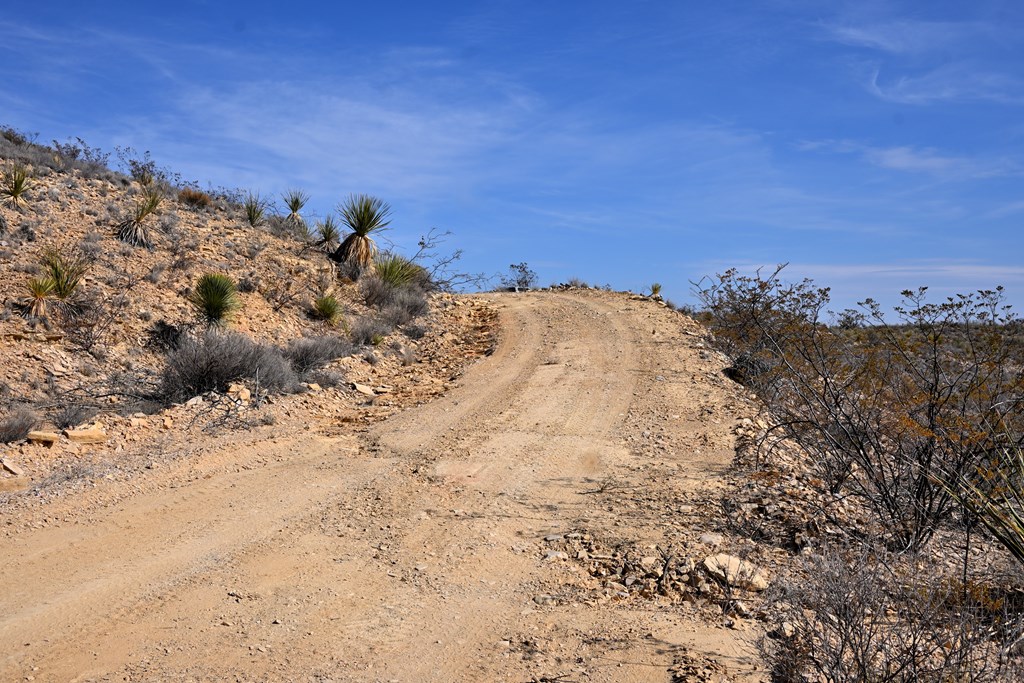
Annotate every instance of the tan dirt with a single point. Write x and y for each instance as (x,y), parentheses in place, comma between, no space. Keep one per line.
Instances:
(414,551)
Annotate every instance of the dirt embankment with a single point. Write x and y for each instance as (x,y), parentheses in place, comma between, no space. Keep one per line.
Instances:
(545,519)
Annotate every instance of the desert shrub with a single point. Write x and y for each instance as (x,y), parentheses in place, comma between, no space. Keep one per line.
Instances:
(404,306)
(71,414)
(14,184)
(327,308)
(195,199)
(132,229)
(164,335)
(519,276)
(382,295)
(883,411)
(415,331)
(215,299)
(309,354)
(369,331)
(861,617)
(656,289)
(16,425)
(92,161)
(214,359)
(3,225)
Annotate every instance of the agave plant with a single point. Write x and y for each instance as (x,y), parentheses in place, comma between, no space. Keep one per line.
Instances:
(215,299)
(364,215)
(255,209)
(132,230)
(39,289)
(295,200)
(14,184)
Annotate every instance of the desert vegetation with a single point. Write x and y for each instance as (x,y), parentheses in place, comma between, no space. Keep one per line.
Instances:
(910,428)
(205,303)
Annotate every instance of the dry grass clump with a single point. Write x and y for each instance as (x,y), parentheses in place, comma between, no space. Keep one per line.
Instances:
(310,354)
(195,199)
(16,425)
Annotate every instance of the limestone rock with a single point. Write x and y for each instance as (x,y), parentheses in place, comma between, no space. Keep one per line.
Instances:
(12,468)
(92,434)
(735,572)
(363,389)
(45,438)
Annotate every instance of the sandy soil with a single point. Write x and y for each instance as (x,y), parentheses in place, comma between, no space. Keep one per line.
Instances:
(421,548)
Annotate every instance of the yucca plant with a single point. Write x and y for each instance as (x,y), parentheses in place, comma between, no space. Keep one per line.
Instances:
(39,289)
(295,200)
(364,215)
(255,209)
(994,494)
(328,309)
(15,182)
(327,234)
(132,230)
(397,271)
(656,289)
(215,299)
(65,271)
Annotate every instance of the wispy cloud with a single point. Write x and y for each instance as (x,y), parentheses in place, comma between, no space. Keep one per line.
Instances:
(927,160)
(908,37)
(955,82)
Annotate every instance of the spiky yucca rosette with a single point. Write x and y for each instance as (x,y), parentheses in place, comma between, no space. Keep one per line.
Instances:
(364,215)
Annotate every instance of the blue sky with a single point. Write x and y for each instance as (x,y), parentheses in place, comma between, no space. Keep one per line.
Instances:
(875,146)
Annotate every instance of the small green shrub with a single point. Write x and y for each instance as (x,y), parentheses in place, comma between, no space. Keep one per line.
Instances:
(15,182)
(520,276)
(215,299)
(656,289)
(398,271)
(328,309)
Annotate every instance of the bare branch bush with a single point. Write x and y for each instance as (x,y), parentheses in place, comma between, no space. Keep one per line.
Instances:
(881,410)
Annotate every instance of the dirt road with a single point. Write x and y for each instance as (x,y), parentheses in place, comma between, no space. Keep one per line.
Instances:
(416,552)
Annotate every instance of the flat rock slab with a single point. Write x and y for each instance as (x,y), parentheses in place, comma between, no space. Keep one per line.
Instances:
(735,572)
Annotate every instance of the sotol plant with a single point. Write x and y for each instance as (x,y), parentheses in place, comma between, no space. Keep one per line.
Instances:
(15,182)
(133,230)
(397,271)
(364,215)
(215,299)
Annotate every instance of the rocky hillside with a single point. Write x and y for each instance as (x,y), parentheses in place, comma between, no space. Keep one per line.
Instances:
(79,369)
